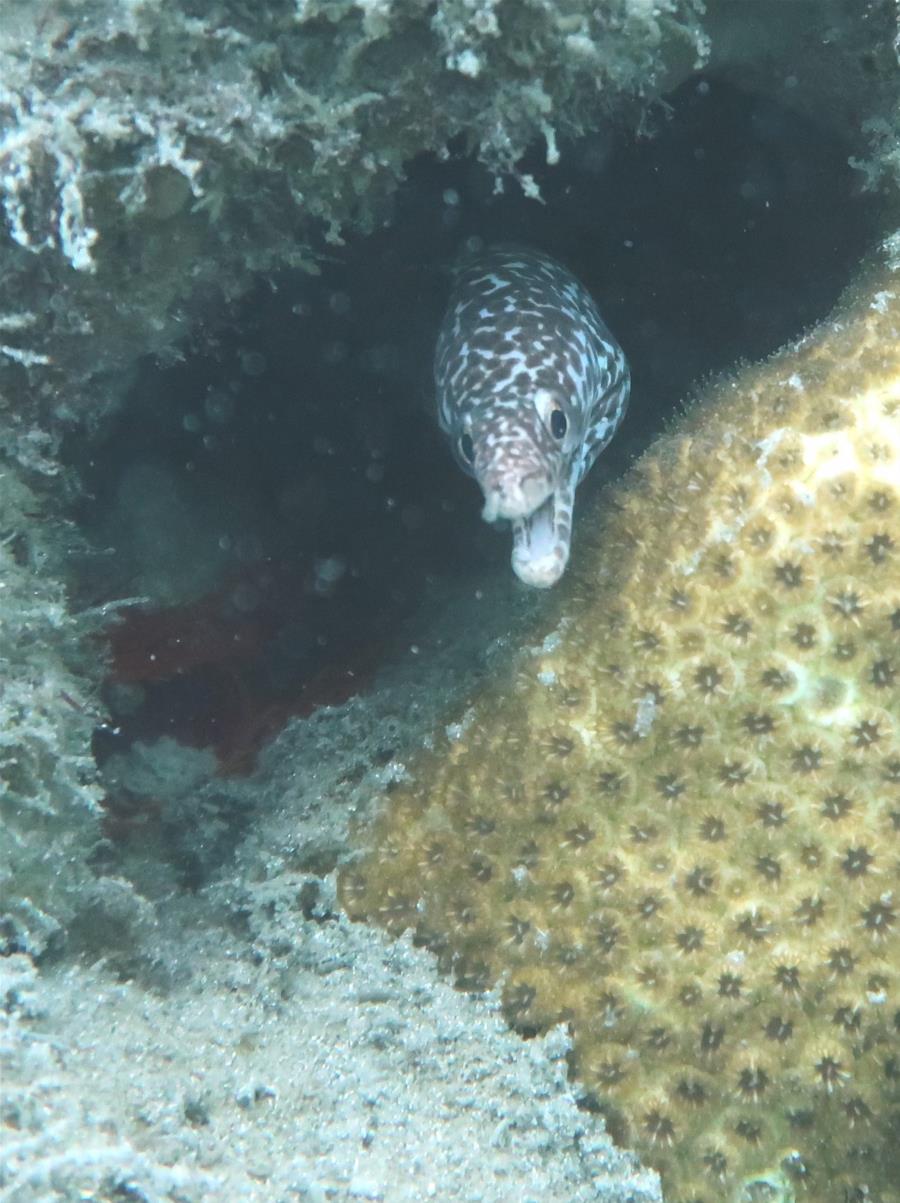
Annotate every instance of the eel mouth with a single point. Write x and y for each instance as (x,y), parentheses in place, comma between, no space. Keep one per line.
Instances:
(541,543)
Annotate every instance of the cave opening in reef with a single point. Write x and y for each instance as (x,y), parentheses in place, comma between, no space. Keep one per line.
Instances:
(281,497)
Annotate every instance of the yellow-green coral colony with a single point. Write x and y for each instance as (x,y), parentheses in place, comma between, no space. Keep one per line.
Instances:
(677,826)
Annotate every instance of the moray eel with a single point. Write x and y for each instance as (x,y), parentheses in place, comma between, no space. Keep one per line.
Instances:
(530,386)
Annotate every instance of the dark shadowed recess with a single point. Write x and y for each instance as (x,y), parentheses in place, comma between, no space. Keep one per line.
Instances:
(306,421)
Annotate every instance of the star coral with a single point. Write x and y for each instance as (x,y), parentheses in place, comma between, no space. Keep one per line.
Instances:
(676,825)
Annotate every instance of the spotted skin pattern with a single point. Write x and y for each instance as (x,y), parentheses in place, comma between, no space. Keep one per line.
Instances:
(531,386)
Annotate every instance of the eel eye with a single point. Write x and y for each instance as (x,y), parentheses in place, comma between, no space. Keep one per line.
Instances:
(558,424)
(467,448)
(552,412)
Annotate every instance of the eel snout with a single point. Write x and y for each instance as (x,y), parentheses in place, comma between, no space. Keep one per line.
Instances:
(512,496)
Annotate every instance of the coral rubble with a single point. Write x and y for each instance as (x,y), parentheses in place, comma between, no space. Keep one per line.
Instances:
(676,826)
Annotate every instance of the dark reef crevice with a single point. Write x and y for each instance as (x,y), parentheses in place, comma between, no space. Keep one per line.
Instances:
(286,482)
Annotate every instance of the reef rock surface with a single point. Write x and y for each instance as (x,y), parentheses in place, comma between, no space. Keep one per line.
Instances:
(152,161)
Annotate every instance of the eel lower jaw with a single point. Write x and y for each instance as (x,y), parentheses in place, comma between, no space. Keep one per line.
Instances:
(540,545)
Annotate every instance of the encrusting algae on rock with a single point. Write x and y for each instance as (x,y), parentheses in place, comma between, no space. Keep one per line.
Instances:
(677,825)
